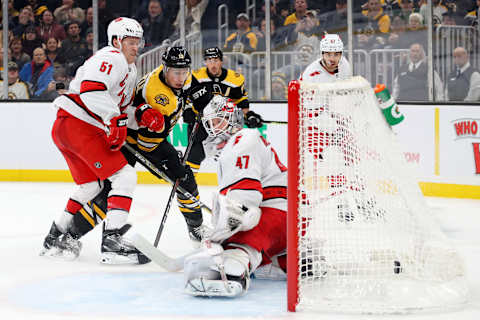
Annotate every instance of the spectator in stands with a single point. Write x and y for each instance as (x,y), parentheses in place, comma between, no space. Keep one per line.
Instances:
(88,24)
(438,10)
(73,49)
(274,16)
(407,7)
(37,8)
(30,40)
(155,27)
(301,7)
(12,12)
(391,7)
(283,9)
(25,18)
(305,30)
(336,21)
(194,10)
(1,59)
(471,16)
(376,18)
(417,32)
(463,83)
(242,40)
(57,86)
(49,28)
(277,39)
(105,16)
(398,36)
(18,56)
(411,83)
(68,12)
(279,86)
(89,40)
(38,73)
(17,89)
(52,49)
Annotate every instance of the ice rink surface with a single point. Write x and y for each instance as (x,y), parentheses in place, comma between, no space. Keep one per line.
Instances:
(34,287)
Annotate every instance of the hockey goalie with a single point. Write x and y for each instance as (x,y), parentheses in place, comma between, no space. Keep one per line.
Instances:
(249,211)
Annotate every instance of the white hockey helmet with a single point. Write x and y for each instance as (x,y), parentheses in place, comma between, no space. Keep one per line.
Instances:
(331,43)
(221,117)
(124,27)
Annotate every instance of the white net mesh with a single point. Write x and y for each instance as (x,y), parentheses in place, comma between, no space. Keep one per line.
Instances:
(367,242)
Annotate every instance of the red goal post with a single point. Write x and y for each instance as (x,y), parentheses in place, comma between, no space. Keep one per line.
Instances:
(360,236)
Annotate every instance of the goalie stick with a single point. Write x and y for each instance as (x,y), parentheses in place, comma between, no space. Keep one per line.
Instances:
(157,256)
(147,164)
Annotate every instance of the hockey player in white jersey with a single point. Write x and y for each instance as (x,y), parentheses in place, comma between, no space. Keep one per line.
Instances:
(331,66)
(249,212)
(89,131)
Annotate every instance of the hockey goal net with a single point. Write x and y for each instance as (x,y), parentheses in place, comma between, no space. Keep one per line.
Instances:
(360,237)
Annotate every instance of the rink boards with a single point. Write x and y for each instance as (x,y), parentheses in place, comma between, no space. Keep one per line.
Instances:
(442,143)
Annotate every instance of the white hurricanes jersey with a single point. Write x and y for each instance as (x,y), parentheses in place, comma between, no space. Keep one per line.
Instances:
(316,73)
(251,172)
(102,88)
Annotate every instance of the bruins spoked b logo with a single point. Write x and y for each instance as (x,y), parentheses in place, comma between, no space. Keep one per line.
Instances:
(161,99)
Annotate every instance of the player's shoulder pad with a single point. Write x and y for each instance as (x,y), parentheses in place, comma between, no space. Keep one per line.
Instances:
(200,74)
(246,139)
(234,79)
(158,95)
(110,54)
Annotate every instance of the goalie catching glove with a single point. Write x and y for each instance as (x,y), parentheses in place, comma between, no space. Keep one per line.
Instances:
(230,217)
(253,120)
(117,131)
(150,118)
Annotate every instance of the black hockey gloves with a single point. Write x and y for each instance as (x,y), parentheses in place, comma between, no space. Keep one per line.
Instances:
(253,120)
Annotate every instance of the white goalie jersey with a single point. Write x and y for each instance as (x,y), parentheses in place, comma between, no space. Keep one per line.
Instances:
(316,73)
(251,172)
(102,88)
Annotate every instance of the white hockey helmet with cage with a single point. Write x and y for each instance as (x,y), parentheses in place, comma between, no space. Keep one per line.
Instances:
(331,43)
(221,117)
(123,27)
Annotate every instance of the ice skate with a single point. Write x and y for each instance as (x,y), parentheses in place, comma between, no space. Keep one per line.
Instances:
(65,246)
(116,249)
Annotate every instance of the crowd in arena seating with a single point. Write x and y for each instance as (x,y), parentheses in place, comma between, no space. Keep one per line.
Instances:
(50,39)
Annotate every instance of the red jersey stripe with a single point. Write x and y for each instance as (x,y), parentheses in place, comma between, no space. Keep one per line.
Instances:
(88,86)
(76,98)
(243,184)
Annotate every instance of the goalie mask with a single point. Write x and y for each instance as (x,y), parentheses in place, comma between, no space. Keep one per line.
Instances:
(222,118)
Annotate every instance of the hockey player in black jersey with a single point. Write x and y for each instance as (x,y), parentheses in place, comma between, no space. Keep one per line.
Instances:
(218,81)
(165,89)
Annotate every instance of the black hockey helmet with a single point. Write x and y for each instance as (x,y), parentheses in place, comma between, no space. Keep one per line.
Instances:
(176,57)
(213,52)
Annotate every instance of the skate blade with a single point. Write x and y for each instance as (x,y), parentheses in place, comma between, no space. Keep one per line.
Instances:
(213,288)
(58,254)
(118,259)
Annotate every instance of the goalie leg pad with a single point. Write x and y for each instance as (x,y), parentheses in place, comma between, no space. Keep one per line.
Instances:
(203,274)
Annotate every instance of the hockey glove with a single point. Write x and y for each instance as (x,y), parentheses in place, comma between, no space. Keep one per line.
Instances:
(117,132)
(148,117)
(253,120)
(189,116)
(200,97)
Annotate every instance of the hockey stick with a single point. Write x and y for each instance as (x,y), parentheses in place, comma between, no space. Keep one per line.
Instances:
(274,122)
(157,256)
(162,175)
(177,182)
